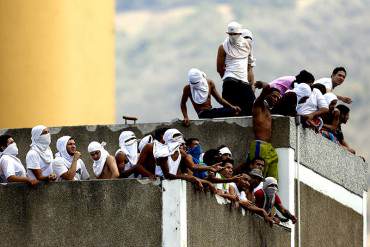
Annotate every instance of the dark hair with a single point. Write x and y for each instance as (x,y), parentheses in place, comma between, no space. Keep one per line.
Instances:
(211,157)
(273,89)
(319,86)
(337,69)
(190,140)
(343,109)
(4,140)
(304,76)
(158,133)
(257,158)
(231,161)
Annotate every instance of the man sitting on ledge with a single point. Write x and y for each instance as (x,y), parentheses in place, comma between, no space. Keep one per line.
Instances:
(199,91)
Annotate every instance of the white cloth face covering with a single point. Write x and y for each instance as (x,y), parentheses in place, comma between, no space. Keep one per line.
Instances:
(98,165)
(198,85)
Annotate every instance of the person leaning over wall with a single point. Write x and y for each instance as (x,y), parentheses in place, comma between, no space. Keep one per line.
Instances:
(11,168)
(40,157)
(67,164)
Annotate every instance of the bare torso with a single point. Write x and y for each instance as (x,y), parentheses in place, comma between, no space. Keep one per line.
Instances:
(200,107)
(261,123)
(106,173)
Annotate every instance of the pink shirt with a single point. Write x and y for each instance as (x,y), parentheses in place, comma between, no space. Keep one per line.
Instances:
(283,83)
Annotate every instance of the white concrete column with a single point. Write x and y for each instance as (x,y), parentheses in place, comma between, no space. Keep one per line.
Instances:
(174,213)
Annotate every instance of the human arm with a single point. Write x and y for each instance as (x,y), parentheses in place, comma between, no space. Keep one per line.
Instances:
(184,99)
(345,99)
(346,146)
(221,55)
(167,175)
(112,165)
(335,123)
(39,176)
(20,179)
(285,212)
(71,173)
(254,209)
(221,100)
(251,79)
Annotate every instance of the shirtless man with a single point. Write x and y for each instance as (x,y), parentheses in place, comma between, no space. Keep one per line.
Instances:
(104,166)
(261,147)
(199,91)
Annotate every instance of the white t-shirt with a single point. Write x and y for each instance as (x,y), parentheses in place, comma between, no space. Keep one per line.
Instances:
(34,161)
(313,103)
(10,166)
(326,81)
(60,167)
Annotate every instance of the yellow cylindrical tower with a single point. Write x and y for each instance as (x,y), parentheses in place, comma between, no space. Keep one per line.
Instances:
(57,62)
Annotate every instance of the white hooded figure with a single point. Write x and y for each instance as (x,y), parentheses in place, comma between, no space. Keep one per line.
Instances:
(173,140)
(63,161)
(128,146)
(198,86)
(40,155)
(98,164)
(270,187)
(145,140)
(10,165)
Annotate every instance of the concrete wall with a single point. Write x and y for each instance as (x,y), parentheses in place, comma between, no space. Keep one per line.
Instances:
(88,213)
(212,224)
(325,222)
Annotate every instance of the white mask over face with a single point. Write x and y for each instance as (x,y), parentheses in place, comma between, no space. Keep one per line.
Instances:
(45,139)
(12,149)
(234,39)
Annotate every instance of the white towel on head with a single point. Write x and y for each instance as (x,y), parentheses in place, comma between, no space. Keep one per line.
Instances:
(173,143)
(198,85)
(329,97)
(40,143)
(146,140)
(225,150)
(62,150)
(237,49)
(160,150)
(98,164)
(128,145)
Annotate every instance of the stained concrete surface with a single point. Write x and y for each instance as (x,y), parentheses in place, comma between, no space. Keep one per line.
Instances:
(89,213)
(325,222)
(215,225)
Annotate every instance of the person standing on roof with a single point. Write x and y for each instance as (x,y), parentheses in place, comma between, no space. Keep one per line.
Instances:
(234,62)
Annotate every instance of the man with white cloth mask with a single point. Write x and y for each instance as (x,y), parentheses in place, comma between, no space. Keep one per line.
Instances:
(199,90)
(11,168)
(179,164)
(268,199)
(104,165)
(40,157)
(127,156)
(67,163)
(234,62)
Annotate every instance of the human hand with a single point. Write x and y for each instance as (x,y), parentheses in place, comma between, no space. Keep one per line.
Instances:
(186,122)
(236,109)
(293,219)
(76,156)
(258,84)
(33,182)
(198,184)
(346,99)
(52,177)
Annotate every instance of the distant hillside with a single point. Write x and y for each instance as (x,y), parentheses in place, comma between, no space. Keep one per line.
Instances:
(159,41)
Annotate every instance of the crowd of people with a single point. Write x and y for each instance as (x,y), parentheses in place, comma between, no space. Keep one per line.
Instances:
(251,185)
(163,154)
(301,95)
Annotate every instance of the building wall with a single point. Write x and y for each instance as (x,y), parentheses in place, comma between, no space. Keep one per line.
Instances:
(88,213)
(57,62)
(325,222)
